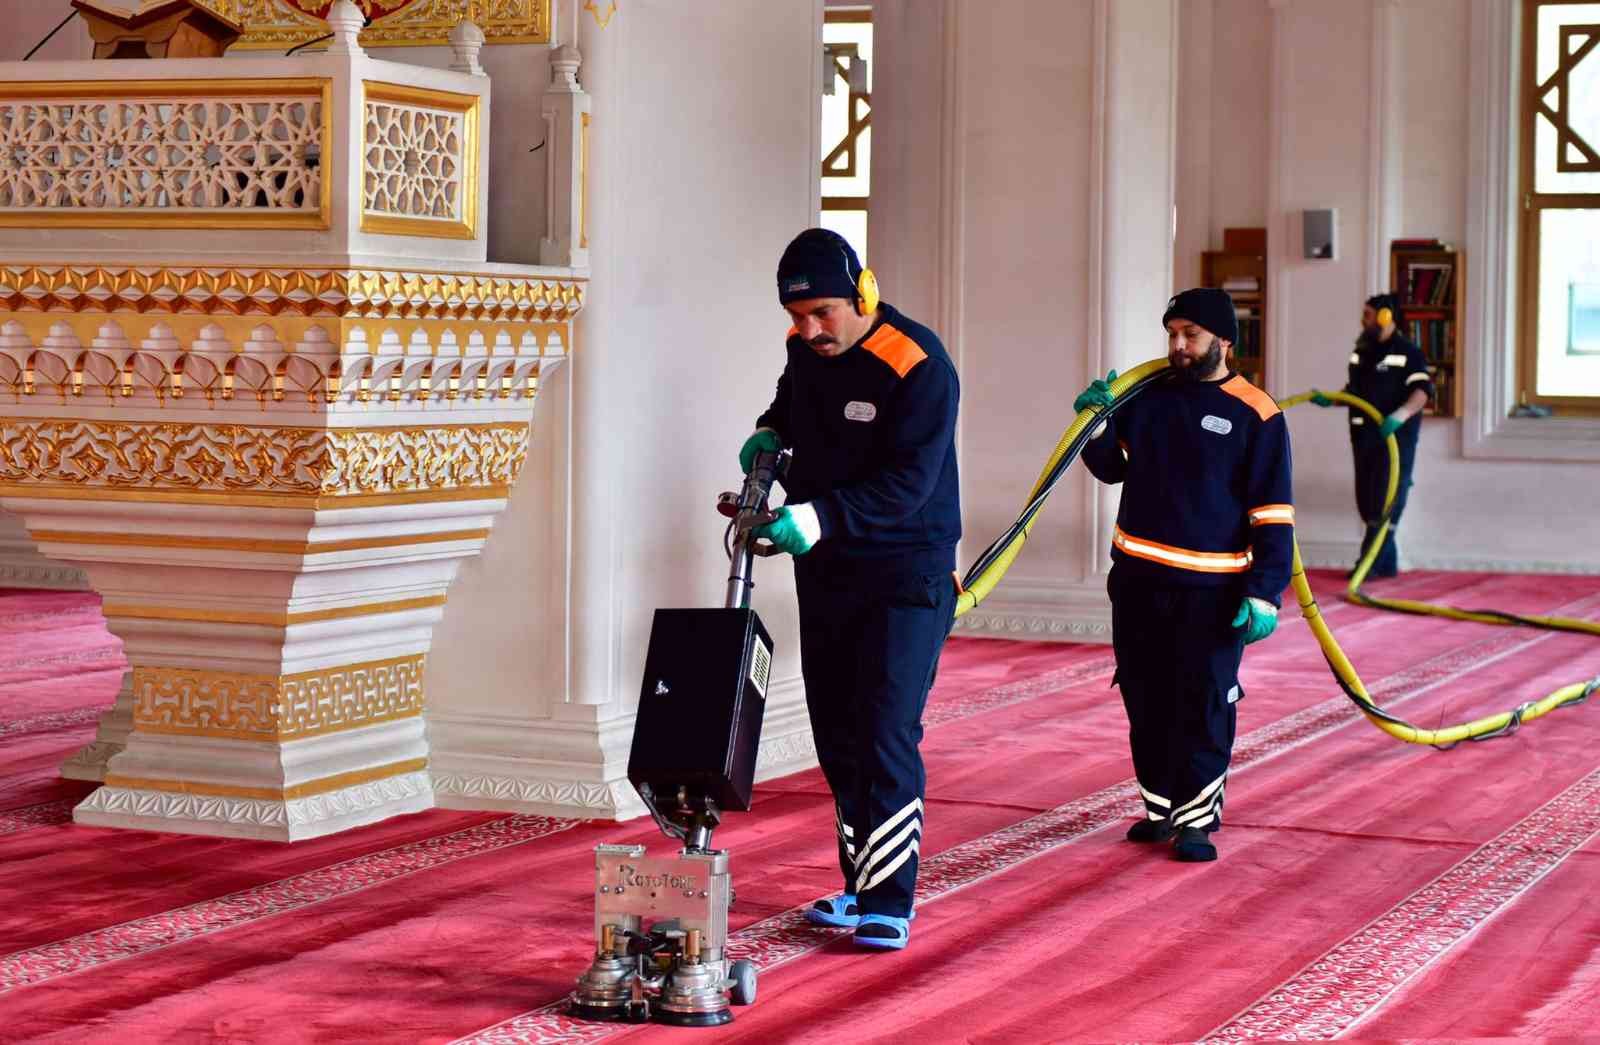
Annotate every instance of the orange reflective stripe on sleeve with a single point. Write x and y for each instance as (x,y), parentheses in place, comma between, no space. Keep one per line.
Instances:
(1181,558)
(1272,513)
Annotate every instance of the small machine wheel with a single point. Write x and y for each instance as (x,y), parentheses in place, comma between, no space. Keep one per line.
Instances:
(743,975)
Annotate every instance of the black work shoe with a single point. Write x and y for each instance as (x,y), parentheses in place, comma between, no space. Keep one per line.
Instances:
(1150,831)
(1193,846)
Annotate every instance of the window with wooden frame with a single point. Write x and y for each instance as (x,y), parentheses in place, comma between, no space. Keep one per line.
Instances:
(847,124)
(1559,344)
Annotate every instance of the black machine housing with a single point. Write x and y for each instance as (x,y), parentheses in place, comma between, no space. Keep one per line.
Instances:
(700,708)
(705,685)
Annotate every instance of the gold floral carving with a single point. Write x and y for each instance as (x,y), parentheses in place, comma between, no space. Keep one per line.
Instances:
(349,293)
(222,457)
(271,24)
(276,707)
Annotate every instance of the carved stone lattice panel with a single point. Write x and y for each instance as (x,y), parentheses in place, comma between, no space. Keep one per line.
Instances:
(221,457)
(419,162)
(206,154)
(413,162)
(192,702)
(279,24)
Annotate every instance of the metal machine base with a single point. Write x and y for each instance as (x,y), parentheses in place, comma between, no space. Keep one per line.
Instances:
(661,926)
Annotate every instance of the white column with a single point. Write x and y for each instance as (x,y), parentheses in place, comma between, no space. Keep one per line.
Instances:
(1026,202)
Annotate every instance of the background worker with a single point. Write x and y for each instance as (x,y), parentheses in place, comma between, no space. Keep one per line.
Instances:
(1388,371)
(867,403)
(1200,555)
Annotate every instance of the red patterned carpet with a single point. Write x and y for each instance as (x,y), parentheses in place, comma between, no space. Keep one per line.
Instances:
(1366,888)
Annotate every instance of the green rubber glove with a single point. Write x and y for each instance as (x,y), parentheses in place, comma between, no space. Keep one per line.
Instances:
(796,530)
(1257,617)
(1390,426)
(1320,399)
(1098,394)
(761,441)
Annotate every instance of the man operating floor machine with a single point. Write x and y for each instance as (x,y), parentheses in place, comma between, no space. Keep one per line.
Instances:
(661,923)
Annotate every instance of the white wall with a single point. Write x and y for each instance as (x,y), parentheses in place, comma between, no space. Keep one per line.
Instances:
(27,21)
(1429,104)
(1222,125)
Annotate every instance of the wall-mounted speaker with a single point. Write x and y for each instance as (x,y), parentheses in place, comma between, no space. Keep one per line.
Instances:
(1321,233)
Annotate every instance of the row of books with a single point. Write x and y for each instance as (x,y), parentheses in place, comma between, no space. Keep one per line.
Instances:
(1429,283)
(1249,344)
(1242,285)
(1444,390)
(1436,338)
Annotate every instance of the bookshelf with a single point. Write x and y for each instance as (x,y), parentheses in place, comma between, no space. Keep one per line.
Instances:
(1240,268)
(1427,276)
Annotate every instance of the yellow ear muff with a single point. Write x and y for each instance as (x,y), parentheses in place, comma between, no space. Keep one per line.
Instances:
(1385,317)
(866,293)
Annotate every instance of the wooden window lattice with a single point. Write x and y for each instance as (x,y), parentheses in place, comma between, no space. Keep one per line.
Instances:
(1558,83)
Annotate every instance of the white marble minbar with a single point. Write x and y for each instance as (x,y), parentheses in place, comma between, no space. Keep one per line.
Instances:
(269,463)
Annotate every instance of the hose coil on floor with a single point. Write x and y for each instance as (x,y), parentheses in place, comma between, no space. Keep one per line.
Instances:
(997,558)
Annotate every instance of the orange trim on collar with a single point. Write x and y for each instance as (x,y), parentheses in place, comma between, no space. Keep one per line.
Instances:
(895,348)
(1264,405)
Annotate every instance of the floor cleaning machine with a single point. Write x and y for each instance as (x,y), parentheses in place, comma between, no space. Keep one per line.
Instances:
(661,922)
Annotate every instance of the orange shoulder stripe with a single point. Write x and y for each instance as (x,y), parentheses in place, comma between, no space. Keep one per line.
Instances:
(1264,405)
(895,348)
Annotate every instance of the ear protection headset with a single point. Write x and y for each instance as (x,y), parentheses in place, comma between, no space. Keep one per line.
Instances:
(1384,309)
(867,297)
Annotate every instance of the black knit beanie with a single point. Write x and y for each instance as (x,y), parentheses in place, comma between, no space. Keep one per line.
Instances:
(1207,307)
(818,263)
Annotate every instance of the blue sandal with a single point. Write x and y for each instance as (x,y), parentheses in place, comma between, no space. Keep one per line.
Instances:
(883,931)
(840,912)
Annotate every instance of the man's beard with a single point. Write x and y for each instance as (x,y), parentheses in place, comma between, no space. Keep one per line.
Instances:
(1204,366)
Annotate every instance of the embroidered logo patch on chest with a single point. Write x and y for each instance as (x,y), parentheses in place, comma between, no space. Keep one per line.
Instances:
(1219,425)
(859,411)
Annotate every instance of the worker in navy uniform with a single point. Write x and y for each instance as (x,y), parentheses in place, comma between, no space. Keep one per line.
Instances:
(1200,555)
(867,403)
(1390,372)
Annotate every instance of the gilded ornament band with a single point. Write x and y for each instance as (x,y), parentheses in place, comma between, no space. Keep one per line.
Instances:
(193,702)
(298,502)
(252,545)
(270,794)
(337,293)
(140,611)
(226,458)
(277,24)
